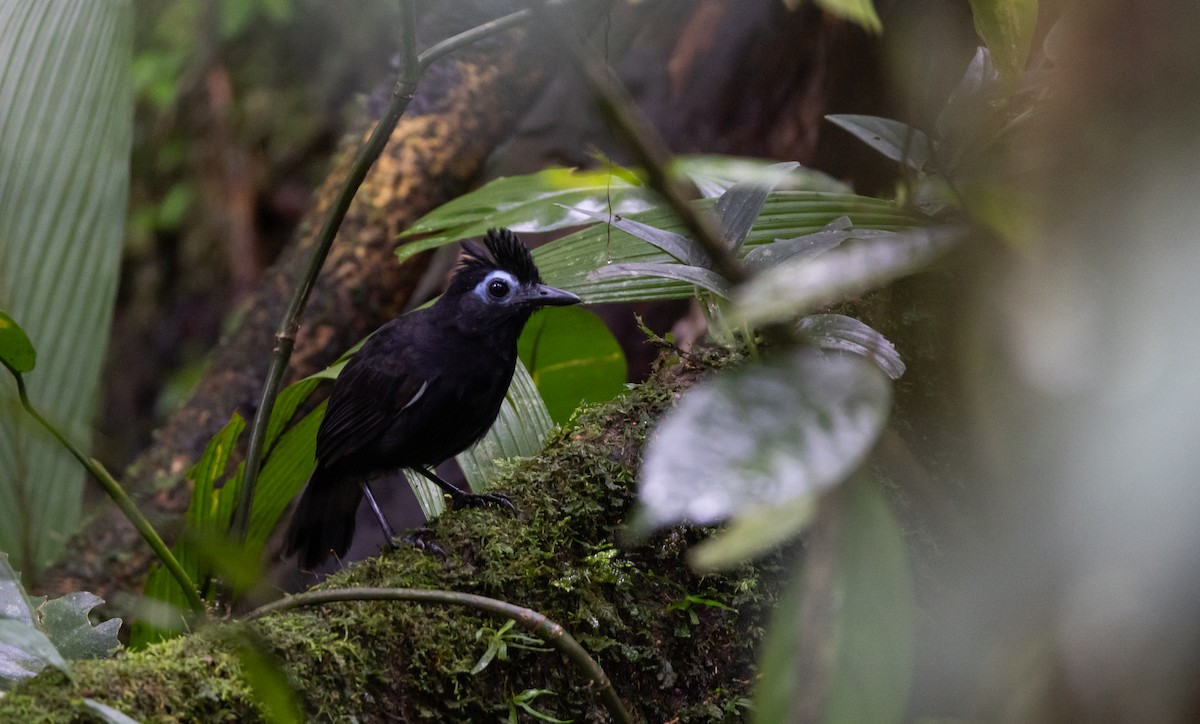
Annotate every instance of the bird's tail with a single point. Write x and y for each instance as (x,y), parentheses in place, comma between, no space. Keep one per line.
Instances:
(323,521)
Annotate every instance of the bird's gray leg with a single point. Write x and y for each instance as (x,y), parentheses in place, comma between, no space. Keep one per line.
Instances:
(388,533)
(461,498)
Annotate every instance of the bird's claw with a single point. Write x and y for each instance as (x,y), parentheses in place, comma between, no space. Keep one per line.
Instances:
(479,500)
(416,538)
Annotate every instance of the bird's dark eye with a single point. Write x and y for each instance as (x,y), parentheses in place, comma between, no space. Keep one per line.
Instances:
(498,288)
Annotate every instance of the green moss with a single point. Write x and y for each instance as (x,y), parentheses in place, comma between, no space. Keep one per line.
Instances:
(384,661)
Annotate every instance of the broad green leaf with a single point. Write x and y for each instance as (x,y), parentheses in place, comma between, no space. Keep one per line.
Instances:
(572,358)
(871,626)
(65,622)
(896,140)
(283,476)
(568,262)
(543,201)
(16,350)
(861,12)
(792,288)
(527,203)
(698,276)
(741,204)
(762,435)
(1007,27)
(846,334)
(66,114)
(752,534)
(677,245)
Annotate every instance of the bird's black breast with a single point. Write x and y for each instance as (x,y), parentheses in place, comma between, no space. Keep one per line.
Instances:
(417,393)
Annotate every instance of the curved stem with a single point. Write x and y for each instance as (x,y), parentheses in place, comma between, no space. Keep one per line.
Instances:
(528,619)
(121,498)
(402,93)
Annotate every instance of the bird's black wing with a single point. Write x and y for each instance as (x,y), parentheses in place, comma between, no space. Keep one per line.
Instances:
(365,402)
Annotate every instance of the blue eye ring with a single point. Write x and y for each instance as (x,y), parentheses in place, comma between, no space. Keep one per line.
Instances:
(498,288)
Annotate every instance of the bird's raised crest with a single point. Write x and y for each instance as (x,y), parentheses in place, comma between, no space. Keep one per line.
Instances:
(506,251)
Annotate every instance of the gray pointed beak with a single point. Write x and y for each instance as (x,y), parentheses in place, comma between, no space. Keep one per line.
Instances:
(542,295)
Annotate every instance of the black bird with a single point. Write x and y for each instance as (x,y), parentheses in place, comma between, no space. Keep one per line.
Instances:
(423,388)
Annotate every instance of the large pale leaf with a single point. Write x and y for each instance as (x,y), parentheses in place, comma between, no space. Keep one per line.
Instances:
(66,115)
(1007,27)
(572,358)
(762,435)
(24,649)
(896,140)
(868,634)
(793,288)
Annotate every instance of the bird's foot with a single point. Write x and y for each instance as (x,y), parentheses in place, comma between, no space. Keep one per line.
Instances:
(479,500)
(416,538)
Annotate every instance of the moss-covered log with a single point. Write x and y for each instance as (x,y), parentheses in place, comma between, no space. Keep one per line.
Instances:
(668,659)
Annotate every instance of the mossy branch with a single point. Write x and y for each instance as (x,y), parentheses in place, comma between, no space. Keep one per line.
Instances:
(532,621)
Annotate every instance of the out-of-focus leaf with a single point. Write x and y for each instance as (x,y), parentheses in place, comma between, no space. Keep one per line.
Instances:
(677,245)
(14,603)
(568,262)
(66,97)
(752,534)
(527,203)
(65,622)
(741,204)
(24,651)
(572,358)
(896,140)
(970,116)
(106,713)
(262,671)
(16,350)
(861,12)
(808,246)
(847,334)
(793,288)
(1007,27)
(762,435)
(872,612)
(703,278)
